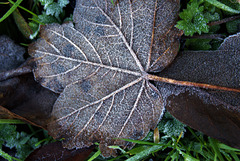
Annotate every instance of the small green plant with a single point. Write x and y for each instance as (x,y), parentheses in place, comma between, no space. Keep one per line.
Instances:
(52,13)
(54,8)
(22,143)
(197,15)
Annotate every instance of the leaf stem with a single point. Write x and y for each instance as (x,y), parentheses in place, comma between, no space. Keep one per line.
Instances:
(225,20)
(11,121)
(205,36)
(190,84)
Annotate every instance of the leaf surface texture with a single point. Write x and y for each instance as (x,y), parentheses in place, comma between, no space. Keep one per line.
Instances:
(100,65)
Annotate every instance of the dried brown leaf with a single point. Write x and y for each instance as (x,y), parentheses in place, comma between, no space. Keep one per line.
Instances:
(99,66)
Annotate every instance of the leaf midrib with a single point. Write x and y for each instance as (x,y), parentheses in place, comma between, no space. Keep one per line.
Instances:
(92,63)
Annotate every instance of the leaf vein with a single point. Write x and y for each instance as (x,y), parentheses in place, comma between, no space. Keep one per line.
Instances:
(124,40)
(94,64)
(94,49)
(71,43)
(100,105)
(134,107)
(104,98)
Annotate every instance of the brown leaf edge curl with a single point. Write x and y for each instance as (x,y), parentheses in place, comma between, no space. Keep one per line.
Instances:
(6,114)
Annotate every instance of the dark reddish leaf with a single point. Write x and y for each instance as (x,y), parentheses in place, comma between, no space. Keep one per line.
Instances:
(215,113)
(209,116)
(55,152)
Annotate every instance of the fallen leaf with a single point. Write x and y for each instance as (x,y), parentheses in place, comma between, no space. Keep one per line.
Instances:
(215,113)
(55,151)
(99,67)
(11,54)
(23,98)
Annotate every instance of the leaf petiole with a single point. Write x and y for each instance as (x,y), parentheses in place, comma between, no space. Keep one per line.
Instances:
(190,84)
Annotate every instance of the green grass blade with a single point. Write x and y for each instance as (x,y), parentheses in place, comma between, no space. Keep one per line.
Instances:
(119,157)
(141,142)
(117,147)
(222,6)
(4,2)
(11,10)
(112,2)
(226,147)
(11,121)
(193,133)
(188,157)
(170,154)
(145,153)
(137,149)
(215,147)
(208,155)
(234,156)
(35,20)
(7,156)
(226,155)
(42,141)
(95,155)
(24,9)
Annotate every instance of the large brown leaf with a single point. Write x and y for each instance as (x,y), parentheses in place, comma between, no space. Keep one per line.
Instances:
(100,67)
